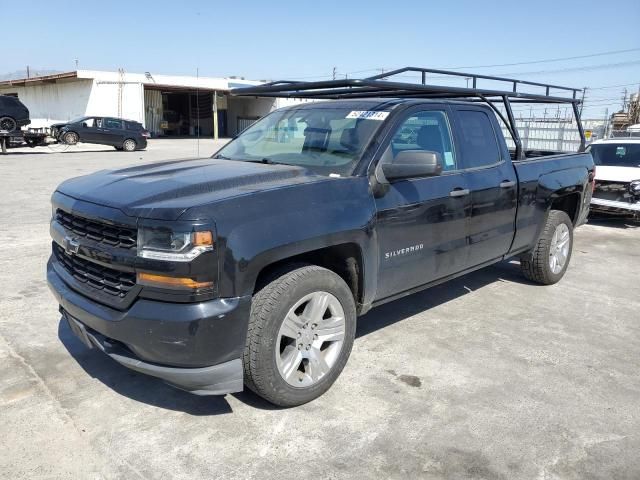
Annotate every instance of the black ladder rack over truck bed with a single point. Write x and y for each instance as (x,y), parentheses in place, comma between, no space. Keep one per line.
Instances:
(382,85)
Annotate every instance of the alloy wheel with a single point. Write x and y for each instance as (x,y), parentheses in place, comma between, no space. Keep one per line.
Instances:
(310,339)
(559,248)
(8,124)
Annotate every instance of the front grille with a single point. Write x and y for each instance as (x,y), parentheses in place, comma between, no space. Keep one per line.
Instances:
(108,280)
(114,235)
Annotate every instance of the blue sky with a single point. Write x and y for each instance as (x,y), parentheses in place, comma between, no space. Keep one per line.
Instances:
(298,39)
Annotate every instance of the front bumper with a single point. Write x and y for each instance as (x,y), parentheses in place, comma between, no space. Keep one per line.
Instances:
(193,346)
(613,206)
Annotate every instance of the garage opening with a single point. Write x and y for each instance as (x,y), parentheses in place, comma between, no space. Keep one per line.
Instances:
(184,112)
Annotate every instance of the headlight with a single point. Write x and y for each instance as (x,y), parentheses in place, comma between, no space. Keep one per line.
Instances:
(634,187)
(164,244)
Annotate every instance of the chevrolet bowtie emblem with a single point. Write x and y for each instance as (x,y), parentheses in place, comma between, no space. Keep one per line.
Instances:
(71,245)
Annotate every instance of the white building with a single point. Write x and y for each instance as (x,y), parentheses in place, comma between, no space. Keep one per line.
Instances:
(166,105)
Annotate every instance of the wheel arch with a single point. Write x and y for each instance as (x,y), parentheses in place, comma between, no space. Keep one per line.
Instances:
(344,259)
(567,203)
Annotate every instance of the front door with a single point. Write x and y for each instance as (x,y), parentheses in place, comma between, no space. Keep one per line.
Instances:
(421,222)
(90,131)
(493,183)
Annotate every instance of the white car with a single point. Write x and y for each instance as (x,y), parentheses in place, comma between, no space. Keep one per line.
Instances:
(617,186)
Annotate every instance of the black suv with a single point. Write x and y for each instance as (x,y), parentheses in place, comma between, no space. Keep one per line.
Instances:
(13,113)
(122,134)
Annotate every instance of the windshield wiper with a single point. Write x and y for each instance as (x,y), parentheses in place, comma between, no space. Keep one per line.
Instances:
(265,160)
(221,157)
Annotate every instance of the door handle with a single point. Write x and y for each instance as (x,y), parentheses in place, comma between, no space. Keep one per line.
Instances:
(459,192)
(507,184)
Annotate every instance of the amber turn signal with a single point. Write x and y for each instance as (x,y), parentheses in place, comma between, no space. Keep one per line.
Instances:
(184,283)
(202,238)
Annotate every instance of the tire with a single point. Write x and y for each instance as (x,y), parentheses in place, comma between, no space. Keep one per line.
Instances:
(8,123)
(548,261)
(293,305)
(129,145)
(70,138)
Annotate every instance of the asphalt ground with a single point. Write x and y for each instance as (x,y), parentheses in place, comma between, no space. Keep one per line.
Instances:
(484,377)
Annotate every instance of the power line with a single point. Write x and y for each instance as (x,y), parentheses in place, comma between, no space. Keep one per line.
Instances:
(578,69)
(615,86)
(549,60)
(531,62)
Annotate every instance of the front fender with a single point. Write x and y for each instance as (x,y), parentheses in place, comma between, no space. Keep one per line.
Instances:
(268,227)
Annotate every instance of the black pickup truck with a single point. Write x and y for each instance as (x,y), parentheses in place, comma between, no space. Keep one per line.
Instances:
(250,268)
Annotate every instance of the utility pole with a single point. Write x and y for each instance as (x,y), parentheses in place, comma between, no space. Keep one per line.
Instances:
(606,123)
(120,88)
(28,72)
(634,109)
(335,71)
(584,92)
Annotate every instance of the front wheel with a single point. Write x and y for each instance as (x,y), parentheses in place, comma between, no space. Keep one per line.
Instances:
(549,259)
(301,331)
(70,138)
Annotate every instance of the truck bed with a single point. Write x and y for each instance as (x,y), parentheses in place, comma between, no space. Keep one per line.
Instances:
(563,174)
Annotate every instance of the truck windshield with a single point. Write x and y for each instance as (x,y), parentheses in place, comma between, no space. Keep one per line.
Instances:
(325,140)
(616,154)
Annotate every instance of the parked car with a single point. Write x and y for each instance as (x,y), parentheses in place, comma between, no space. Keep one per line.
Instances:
(13,113)
(122,134)
(617,189)
(250,268)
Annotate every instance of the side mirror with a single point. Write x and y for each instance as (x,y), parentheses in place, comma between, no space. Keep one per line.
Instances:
(84,125)
(413,164)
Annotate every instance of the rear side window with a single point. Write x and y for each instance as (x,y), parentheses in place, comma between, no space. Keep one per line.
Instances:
(479,142)
(133,126)
(9,101)
(112,123)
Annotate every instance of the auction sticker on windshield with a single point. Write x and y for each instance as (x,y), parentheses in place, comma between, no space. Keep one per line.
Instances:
(371,115)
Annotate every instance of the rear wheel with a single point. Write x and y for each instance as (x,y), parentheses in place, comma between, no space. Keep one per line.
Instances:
(129,145)
(70,138)
(548,261)
(301,331)
(9,124)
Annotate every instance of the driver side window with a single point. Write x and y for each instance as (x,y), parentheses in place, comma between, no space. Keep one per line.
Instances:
(426,130)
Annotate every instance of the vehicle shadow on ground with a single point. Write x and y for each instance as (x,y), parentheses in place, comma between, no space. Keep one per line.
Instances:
(136,386)
(401,309)
(152,391)
(613,221)
(51,152)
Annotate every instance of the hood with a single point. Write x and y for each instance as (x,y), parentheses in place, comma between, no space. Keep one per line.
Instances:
(617,174)
(166,190)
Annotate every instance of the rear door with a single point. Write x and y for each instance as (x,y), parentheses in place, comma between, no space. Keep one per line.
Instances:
(492,180)
(421,222)
(113,132)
